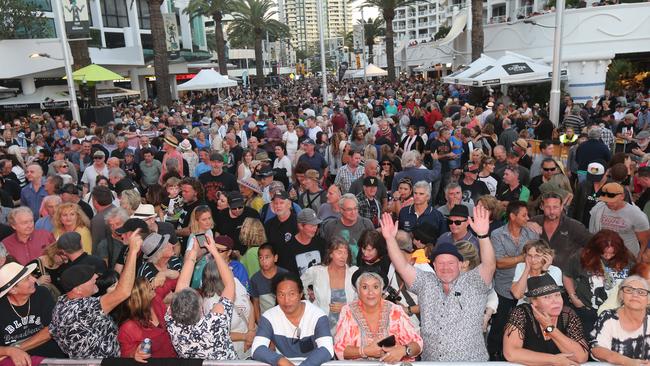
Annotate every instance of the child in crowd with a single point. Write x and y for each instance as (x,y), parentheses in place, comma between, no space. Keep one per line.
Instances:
(260,283)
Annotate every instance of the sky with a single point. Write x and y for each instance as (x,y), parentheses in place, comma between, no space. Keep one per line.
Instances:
(367,12)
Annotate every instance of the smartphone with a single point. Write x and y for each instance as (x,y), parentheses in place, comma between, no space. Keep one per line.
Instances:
(201,239)
(387,342)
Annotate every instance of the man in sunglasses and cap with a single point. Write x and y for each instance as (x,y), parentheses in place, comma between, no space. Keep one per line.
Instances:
(25,315)
(544,331)
(613,213)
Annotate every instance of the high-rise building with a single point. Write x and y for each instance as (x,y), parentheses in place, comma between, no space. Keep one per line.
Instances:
(302,18)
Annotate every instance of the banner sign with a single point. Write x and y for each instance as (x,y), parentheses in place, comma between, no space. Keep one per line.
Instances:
(171,32)
(343,67)
(75,15)
(517,68)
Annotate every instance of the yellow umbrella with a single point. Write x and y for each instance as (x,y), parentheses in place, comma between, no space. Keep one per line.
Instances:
(92,73)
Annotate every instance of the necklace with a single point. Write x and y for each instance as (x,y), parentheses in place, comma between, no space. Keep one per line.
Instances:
(29,309)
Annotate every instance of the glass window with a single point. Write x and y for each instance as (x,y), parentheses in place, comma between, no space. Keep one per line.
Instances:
(143,14)
(43,5)
(114,13)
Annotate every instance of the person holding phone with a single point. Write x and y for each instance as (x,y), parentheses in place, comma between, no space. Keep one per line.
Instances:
(374,328)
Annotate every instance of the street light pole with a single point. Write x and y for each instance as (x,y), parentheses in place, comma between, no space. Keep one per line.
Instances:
(554,100)
(363,44)
(65,48)
(321,38)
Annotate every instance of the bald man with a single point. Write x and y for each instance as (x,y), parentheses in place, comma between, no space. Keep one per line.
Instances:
(33,193)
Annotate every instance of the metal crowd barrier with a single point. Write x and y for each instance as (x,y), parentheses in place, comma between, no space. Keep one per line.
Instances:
(96,362)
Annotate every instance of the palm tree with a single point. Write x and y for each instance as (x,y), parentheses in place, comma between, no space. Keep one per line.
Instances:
(255,17)
(216,9)
(387,9)
(477,29)
(160,58)
(372,29)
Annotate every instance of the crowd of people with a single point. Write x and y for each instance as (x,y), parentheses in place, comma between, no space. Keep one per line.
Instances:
(397,222)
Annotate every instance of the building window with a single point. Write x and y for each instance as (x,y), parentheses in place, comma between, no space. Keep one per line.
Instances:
(143,14)
(114,13)
(114,40)
(42,5)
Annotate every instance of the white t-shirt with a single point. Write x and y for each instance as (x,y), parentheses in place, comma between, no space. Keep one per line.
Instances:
(241,312)
(554,271)
(90,176)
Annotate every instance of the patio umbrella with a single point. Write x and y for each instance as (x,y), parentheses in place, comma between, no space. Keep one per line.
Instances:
(93,73)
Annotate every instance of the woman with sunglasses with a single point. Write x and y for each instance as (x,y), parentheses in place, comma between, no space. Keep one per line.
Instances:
(296,327)
(620,336)
(401,197)
(593,274)
(387,171)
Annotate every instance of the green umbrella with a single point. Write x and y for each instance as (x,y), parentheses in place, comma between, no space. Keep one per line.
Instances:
(93,73)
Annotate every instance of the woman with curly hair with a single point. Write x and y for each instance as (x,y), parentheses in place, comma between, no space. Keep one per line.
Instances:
(594,273)
(251,236)
(70,217)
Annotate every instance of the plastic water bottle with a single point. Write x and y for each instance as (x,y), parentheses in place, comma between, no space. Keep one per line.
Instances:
(145,346)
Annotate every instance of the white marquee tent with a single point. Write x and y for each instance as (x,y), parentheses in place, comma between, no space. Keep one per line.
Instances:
(371,71)
(511,68)
(207,79)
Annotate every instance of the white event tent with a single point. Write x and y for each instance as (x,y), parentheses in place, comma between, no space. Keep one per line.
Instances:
(207,79)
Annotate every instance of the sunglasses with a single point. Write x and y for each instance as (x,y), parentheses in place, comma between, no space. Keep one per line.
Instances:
(236,208)
(455,222)
(388,164)
(98,157)
(609,195)
(549,169)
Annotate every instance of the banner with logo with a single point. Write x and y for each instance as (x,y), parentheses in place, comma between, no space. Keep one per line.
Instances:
(171,33)
(75,15)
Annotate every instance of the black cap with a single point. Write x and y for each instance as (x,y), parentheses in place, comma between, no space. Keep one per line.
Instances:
(133,225)
(308,141)
(459,210)
(75,276)
(265,171)
(235,200)
(370,182)
(541,285)
(70,239)
(446,248)
(280,194)
(216,156)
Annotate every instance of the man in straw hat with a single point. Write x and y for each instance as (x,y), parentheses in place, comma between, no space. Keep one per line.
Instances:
(78,308)
(25,315)
(544,331)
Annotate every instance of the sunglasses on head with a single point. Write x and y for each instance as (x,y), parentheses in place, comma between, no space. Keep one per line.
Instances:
(455,222)
(610,195)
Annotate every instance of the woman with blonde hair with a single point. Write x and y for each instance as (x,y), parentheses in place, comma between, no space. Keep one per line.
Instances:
(130,199)
(70,217)
(251,236)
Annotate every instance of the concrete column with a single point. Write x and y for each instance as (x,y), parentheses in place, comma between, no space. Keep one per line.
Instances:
(586,79)
(27,85)
(135,81)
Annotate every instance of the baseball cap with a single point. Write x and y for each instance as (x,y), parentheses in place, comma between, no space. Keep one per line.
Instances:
(216,156)
(133,225)
(75,276)
(235,200)
(370,182)
(308,141)
(446,248)
(308,216)
(595,171)
(280,194)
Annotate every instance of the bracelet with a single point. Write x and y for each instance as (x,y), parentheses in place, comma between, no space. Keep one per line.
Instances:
(482,236)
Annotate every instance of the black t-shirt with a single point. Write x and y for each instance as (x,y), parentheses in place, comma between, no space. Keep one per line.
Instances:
(226,225)
(505,194)
(12,187)
(17,328)
(296,257)
(621,126)
(471,193)
(643,199)
(534,185)
(224,182)
(85,207)
(442,148)
(84,259)
(526,161)
(279,233)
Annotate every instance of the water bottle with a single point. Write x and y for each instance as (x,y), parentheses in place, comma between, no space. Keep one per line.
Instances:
(145,346)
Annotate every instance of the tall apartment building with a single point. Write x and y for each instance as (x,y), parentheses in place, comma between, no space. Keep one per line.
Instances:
(302,18)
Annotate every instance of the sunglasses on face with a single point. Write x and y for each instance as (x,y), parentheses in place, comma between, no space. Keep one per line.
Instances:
(609,195)
(455,222)
(549,169)
(236,208)
(97,158)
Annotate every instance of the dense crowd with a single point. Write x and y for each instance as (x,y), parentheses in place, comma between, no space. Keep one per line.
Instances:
(397,222)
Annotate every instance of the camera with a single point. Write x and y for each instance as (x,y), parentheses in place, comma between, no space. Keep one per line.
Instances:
(392,295)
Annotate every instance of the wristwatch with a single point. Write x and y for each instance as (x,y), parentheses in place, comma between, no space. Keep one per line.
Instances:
(408,351)
(549,329)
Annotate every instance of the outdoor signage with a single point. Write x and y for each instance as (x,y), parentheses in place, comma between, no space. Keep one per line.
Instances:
(481,71)
(492,82)
(171,32)
(562,73)
(75,15)
(343,67)
(55,104)
(517,68)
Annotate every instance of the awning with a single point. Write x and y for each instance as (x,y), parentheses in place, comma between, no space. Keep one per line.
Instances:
(371,71)
(207,79)
(512,68)
(56,96)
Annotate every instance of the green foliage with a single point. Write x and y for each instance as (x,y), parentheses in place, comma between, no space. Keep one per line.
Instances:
(442,32)
(22,19)
(302,55)
(373,29)
(254,18)
(619,70)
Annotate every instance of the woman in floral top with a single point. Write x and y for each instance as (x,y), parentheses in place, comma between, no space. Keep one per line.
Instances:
(365,322)
(193,334)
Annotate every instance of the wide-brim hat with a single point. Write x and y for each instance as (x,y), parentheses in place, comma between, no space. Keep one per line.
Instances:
(171,140)
(541,286)
(11,274)
(251,184)
(185,145)
(144,212)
